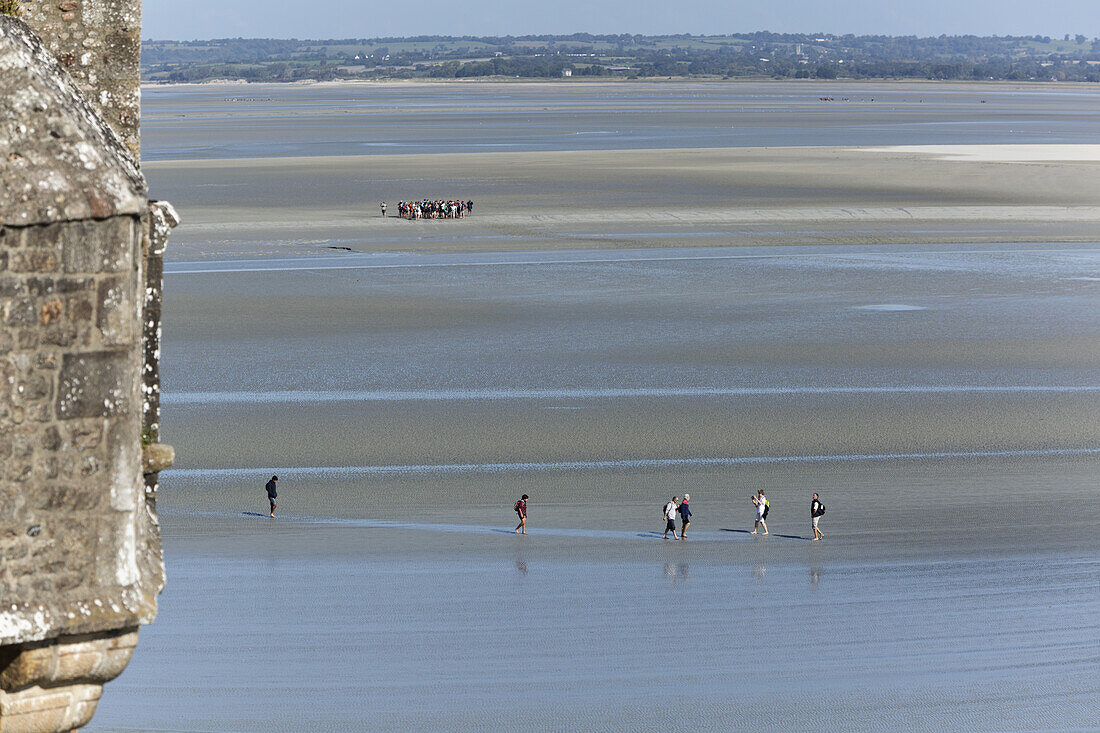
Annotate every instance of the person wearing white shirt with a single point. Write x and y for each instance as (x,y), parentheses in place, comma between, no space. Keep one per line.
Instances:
(670,511)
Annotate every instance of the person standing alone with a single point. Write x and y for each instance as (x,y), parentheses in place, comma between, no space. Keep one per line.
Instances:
(521,509)
(272,494)
(685,516)
(761,503)
(816,510)
(383,205)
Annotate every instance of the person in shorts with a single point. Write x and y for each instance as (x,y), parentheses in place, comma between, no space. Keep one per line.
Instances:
(670,510)
(761,503)
(816,510)
(272,494)
(685,516)
(383,205)
(521,509)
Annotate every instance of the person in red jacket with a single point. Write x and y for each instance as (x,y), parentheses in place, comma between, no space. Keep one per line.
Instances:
(521,509)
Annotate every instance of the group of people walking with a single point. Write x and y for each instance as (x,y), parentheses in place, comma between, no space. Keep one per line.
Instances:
(676,509)
(680,509)
(428,209)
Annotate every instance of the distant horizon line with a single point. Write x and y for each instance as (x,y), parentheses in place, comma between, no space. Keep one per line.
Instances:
(603,36)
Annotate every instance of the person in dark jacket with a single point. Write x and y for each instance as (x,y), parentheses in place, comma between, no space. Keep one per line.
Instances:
(685,516)
(816,510)
(272,494)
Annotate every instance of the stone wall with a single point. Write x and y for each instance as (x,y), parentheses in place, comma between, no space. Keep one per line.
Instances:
(80,560)
(70,399)
(98,42)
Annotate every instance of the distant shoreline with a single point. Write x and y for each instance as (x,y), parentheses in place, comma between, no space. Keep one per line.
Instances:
(650,81)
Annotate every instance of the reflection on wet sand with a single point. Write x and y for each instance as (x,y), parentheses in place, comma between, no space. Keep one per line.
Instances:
(677,572)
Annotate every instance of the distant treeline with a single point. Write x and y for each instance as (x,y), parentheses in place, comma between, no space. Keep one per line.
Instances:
(750,55)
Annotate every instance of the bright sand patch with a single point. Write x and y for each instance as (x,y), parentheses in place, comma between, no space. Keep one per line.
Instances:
(1000,153)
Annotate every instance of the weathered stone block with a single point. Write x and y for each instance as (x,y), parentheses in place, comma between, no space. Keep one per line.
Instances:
(30,672)
(33,387)
(51,312)
(67,498)
(45,468)
(51,439)
(27,339)
(157,457)
(80,310)
(114,311)
(46,236)
(60,334)
(10,504)
(14,552)
(90,466)
(37,710)
(70,285)
(21,313)
(125,465)
(40,413)
(94,384)
(18,471)
(86,435)
(22,444)
(39,286)
(90,247)
(33,261)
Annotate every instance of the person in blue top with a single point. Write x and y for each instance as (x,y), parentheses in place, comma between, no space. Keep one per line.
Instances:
(685,516)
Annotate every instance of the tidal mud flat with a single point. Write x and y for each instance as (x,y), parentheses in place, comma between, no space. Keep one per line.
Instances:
(912,337)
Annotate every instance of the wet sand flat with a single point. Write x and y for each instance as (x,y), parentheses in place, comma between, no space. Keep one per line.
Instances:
(916,612)
(674,306)
(943,401)
(280,120)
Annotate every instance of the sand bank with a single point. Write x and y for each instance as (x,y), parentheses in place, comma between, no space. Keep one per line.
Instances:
(639,198)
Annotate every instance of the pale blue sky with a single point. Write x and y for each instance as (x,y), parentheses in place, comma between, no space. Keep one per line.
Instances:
(192,19)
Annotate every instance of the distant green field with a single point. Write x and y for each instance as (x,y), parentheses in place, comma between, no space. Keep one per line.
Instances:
(755,55)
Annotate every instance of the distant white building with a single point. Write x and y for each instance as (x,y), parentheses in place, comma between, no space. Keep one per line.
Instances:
(567,72)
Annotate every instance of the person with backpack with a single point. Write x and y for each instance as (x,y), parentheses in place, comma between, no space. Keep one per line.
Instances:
(685,516)
(761,503)
(670,510)
(816,510)
(521,509)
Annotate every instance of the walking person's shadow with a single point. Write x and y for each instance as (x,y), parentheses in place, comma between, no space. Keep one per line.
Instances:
(771,534)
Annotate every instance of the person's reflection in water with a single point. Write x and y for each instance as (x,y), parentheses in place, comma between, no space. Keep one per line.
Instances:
(815,575)
(759,571)
(676,572)
(521,561)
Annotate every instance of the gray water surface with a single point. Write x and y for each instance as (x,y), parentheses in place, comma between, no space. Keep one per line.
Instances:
(265,120)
